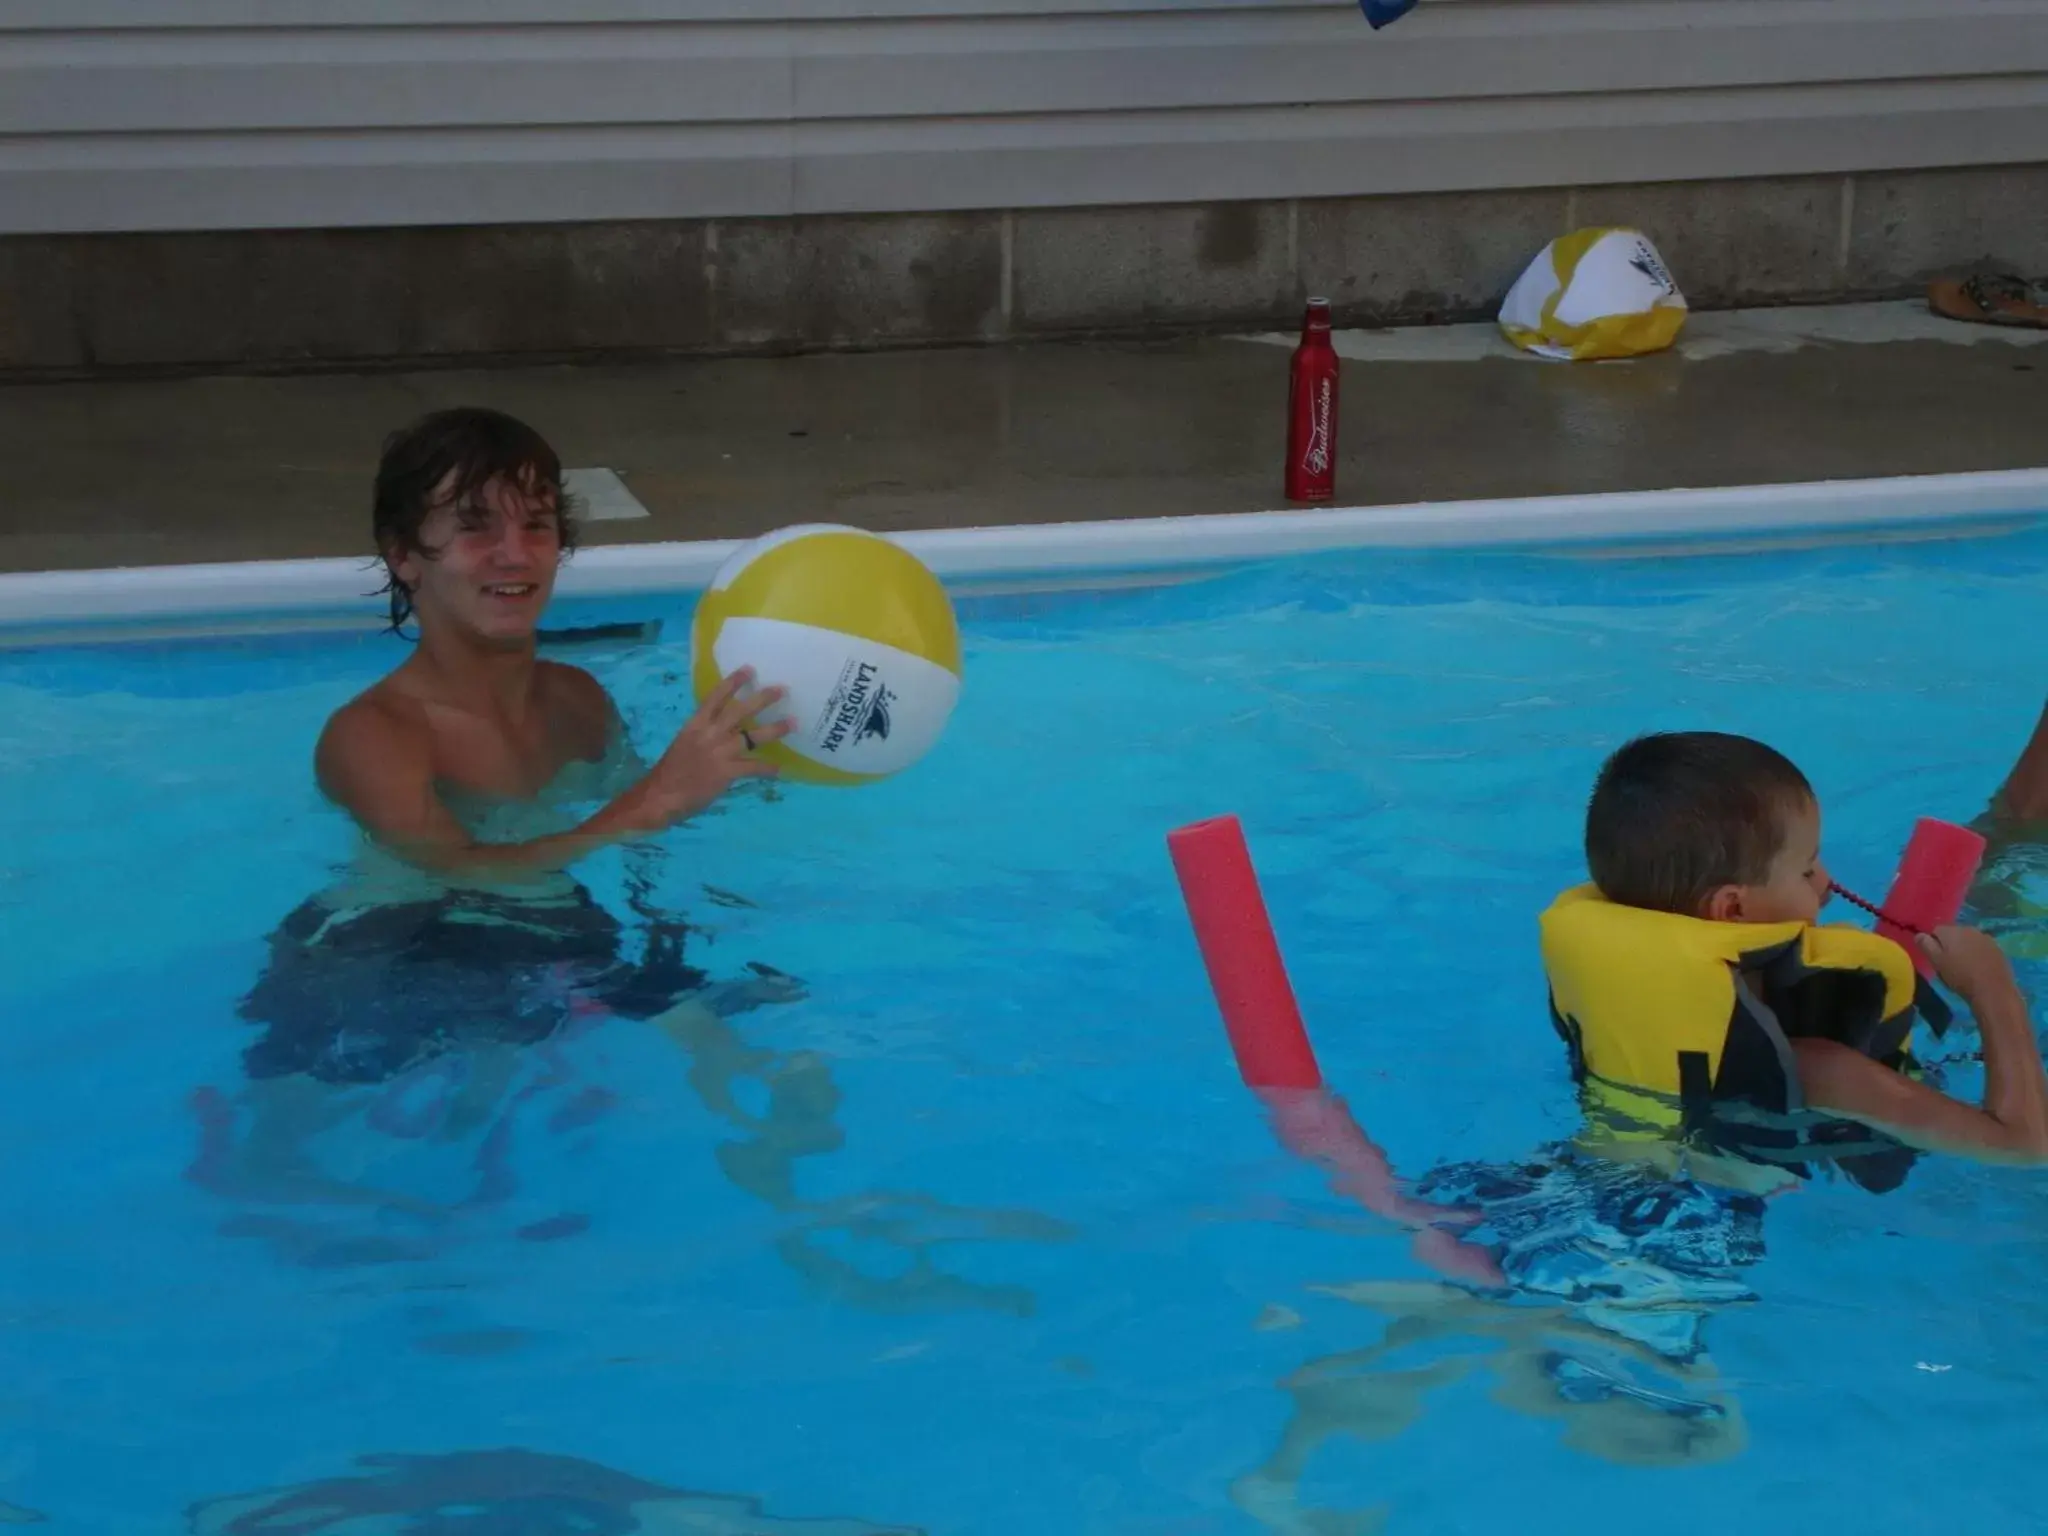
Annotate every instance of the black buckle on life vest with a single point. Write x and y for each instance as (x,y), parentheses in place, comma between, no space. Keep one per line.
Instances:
(1574,1040)
(1695,1090)
(1932,1007)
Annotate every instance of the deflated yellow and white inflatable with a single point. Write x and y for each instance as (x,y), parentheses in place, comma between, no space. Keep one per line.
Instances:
(858,630)
(1598,293)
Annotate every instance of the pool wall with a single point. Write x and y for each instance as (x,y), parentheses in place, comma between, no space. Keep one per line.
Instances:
(1076,553)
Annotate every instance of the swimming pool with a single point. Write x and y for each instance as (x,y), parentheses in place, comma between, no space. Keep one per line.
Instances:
(982,1235)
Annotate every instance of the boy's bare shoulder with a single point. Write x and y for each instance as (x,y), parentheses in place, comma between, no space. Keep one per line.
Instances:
(578,702)
(381,728)
(573,685)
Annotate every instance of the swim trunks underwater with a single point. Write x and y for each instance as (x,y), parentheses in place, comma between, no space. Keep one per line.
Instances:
(357,998)
(1635,1253)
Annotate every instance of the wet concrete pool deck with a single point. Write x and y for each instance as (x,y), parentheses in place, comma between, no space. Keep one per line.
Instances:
(164,471)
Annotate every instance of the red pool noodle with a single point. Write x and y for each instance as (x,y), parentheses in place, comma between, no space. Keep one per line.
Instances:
(1242,955)
(1934,877)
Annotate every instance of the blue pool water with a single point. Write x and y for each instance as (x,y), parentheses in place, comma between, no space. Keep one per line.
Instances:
(982,1235)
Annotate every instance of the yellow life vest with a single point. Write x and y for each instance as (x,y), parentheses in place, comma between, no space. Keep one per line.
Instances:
(1681,1028)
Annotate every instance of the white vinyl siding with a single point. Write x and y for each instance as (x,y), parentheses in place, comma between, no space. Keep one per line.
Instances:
(235,114)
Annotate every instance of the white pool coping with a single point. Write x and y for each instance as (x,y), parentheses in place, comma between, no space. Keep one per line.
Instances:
(338,586)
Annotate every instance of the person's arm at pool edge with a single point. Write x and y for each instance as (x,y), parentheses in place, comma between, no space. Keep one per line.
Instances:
(380,769)
(2024,795)
(2012,1124)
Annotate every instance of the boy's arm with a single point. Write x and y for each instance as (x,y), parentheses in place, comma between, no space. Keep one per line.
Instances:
(2011,1125)
(382,773)
(380,769)
(2024,794)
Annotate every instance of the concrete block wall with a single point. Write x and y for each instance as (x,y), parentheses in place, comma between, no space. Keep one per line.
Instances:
(93,304)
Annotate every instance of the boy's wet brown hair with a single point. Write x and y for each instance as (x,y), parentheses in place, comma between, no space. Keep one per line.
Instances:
(1677,815)
(475,445)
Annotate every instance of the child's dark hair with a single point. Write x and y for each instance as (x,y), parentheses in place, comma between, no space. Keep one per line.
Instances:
(475,446)
(1675,816)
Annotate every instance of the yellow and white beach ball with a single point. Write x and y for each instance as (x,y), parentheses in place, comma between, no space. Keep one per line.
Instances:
(1592,295)
(858,630)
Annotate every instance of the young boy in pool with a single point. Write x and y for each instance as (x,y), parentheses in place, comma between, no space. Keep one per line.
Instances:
(1724,830)
(1696,954)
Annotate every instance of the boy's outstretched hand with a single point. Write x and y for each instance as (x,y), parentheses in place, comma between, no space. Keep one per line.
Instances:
(1967,960)
(713,750)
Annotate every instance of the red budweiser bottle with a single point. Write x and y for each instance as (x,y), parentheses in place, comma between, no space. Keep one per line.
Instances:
(1312,410)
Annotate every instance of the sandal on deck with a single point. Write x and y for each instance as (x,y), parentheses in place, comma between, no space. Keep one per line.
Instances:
(1990,298)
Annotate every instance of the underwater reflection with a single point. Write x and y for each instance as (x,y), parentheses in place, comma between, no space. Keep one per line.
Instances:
(496,1493)
(1618,1400)
(1587,1282)
(463,1025)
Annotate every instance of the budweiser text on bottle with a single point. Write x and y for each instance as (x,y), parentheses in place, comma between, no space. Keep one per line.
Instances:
(1312,410)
